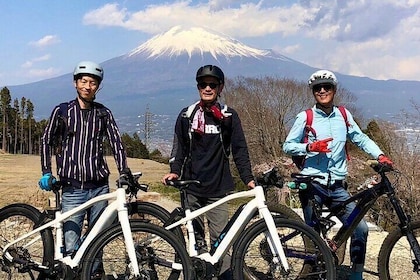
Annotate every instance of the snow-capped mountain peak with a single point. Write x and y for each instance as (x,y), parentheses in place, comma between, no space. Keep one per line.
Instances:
(195,40)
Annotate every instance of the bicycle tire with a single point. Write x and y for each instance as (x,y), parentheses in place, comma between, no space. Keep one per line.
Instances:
(15,221)
(154,245)
(284,211)
(395,256)
(148,212)
(252,258)
(155,214)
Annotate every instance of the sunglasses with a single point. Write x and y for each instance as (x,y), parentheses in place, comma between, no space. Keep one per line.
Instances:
(203,85)
(326,87)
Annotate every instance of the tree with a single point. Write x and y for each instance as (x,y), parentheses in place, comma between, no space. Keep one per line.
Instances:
(16,118)
(134,147)
(5,100)
(29,118)
(22,124)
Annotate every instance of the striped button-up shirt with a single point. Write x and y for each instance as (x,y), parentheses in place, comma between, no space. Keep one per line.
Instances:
(81,156)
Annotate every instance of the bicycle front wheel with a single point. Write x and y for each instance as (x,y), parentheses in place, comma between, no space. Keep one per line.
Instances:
(307,254)
(28,254)
(159,253)
(396,259)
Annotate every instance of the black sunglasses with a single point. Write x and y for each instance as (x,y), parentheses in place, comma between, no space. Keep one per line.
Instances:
(203,85)
(326,87)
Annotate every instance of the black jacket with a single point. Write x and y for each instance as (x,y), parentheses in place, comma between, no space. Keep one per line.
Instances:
(208,159)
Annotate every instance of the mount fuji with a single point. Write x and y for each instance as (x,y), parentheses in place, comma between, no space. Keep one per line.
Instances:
(160,75)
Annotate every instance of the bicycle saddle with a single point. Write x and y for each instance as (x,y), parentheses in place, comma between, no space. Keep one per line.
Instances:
(182,184)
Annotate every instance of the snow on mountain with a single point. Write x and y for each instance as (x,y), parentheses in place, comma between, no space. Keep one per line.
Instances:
(196,40)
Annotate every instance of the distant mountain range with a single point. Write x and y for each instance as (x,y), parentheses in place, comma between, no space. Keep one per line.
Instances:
(160,75)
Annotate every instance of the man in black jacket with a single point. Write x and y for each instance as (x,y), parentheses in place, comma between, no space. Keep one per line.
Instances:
(205,134)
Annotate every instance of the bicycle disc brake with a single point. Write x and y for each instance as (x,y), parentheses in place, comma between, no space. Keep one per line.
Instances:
(147,260)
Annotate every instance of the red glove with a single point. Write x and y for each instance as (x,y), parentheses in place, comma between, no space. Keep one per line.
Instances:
(320,146)
(384,160)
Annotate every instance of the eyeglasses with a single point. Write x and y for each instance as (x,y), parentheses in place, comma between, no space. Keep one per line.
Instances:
(84,82)
(326,87)
(203,85)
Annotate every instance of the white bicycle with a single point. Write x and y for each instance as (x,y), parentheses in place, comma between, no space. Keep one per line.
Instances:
(32,244)
(271,247)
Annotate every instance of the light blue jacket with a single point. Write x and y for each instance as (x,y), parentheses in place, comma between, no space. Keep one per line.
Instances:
(334,163)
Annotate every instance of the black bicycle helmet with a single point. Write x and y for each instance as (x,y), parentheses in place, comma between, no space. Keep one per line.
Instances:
(210,70)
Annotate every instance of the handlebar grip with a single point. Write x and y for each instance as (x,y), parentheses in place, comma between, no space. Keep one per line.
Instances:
(169,182)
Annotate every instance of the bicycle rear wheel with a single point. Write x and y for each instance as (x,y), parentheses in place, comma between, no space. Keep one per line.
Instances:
(148,212)
(15,221)
(307,254)
(153,213)
(159,253)
(284,211)
(396,259)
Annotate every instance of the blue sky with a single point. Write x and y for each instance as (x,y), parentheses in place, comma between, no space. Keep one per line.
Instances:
(41,39)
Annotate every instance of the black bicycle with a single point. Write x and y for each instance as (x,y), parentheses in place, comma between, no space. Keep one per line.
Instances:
(399,256)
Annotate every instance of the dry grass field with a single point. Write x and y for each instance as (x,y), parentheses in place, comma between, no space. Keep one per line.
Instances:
(19,175)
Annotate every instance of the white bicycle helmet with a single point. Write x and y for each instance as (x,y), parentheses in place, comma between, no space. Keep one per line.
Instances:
(90,68)
(322,77)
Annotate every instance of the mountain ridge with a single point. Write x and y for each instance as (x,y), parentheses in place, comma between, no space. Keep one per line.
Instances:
(159,74)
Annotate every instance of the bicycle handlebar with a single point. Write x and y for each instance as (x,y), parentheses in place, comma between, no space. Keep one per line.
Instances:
(271,177)
(131,181)
(379,167)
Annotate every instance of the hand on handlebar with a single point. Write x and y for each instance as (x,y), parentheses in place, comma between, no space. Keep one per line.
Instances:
(320,146)
(169,176)
(47,181)
(385,160)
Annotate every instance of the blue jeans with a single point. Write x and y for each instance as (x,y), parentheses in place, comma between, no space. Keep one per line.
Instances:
(331,197)
(71,198)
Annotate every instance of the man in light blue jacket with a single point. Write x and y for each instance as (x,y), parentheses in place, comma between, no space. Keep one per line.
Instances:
(325,155)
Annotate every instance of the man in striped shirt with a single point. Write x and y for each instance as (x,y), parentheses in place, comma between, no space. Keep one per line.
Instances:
(75,134)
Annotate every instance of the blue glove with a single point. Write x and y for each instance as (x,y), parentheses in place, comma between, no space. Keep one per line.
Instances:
(46,182)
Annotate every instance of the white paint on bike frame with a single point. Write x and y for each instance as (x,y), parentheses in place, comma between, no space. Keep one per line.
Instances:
(338,224)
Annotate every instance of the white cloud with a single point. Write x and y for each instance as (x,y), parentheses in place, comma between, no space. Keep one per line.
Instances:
(43,73)
(30,63)
(289,49)
(46,41)
(246,20)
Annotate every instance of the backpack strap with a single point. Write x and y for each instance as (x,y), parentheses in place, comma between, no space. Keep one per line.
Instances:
(62,129)
(308,126)
(344,114)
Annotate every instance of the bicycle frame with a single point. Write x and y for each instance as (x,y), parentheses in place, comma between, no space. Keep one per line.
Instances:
(258,203)
(118,207)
